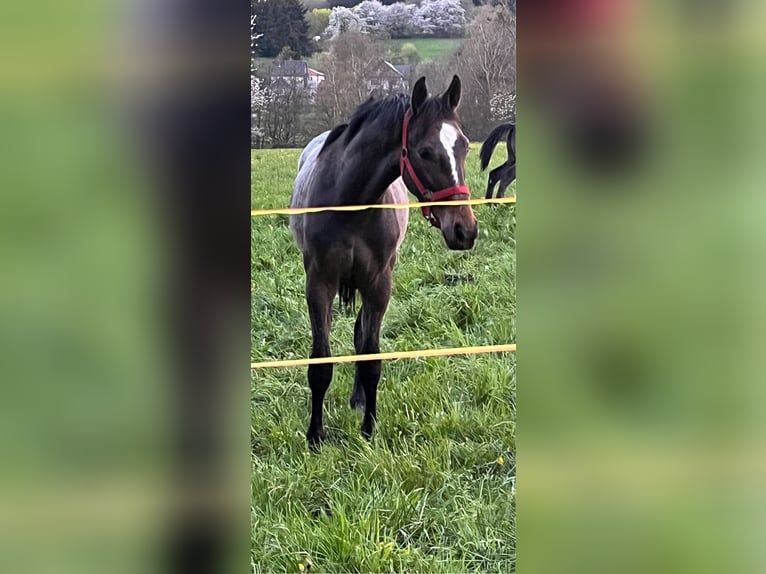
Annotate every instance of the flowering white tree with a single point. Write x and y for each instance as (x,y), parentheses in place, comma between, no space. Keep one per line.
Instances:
(260,97)
(397,19)
(440,18)
(371,13)
(502,104)
(344,20)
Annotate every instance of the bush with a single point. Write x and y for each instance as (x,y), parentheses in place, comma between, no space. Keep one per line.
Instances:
(318,20)
(408,53)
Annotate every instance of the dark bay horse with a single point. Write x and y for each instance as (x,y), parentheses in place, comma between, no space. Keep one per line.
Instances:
(389,146)
(505,173)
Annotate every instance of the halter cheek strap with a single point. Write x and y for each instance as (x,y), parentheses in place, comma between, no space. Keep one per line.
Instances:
(423,193)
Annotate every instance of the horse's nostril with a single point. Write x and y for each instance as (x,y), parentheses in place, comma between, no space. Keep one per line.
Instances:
(459,234)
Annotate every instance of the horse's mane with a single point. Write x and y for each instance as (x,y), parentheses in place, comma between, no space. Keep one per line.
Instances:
(389,111)
(336,132)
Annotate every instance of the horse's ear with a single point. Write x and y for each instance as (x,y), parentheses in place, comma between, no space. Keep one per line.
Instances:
(419,95)
(452,96)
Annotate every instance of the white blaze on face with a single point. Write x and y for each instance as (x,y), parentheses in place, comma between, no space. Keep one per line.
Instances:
(448,136)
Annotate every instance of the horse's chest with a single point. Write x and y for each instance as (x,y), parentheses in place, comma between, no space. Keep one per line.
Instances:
(378,241)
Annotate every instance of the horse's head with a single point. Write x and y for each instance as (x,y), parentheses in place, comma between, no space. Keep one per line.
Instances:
(435,149)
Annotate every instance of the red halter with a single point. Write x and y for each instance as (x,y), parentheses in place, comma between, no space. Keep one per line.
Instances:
(425,193)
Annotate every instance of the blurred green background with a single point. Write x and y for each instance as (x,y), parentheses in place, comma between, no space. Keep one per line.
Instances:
(641,307)
(641,312)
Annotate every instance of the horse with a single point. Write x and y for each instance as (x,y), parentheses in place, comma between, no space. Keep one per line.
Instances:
(505,173)
(389,146)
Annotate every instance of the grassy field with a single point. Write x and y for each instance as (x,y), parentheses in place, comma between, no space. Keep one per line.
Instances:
(435,489)
(429,48)
(438,49)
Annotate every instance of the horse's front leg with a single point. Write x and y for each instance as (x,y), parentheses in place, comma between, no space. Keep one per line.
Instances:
(375,302)
(357,395)
(319,296)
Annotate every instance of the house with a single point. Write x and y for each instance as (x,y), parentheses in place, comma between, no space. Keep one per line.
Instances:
(386,78)
(315,78)
(291,74)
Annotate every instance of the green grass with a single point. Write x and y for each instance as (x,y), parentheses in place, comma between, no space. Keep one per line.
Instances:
(438,49)
(428,493)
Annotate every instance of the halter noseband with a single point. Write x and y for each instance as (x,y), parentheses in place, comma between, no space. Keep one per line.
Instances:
(423,193)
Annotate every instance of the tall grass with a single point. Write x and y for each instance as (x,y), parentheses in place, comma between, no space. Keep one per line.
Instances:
(434,490)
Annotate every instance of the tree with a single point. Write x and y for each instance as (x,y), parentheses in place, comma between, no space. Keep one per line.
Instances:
(503,106)
(371,13)
(408,53)
(343,20)
(260,98)
(486,62)
(397,19)
(287,100)
(508,4)
(346,66)
(441,18)
(318,20)
(281,23)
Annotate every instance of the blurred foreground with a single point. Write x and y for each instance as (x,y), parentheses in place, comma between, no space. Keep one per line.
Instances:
(124,300)
(641,288)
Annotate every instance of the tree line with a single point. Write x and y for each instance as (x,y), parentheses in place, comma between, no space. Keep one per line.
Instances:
(286,26)
(430,18)
(485,62)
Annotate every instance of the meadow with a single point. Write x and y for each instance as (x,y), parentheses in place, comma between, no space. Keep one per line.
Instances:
(435,488)
(436,49)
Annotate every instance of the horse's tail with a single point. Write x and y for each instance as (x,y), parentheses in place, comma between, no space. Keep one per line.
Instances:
(347,296)
(489,144)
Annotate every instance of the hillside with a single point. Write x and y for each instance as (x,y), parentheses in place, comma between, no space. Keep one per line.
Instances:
(436,49)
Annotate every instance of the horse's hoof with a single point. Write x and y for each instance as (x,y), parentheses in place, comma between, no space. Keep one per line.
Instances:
(367,431)
(315,439)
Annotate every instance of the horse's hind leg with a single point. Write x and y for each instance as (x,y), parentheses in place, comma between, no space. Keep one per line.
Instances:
(357,395)
(504,183)
(509,174)
(319,295)
(491,182)
(375,302)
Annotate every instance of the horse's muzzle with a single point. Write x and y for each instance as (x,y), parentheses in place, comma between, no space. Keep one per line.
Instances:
(460,236)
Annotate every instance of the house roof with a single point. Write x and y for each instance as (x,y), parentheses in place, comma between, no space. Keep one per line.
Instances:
(384,68)
(313,72)
(290,68)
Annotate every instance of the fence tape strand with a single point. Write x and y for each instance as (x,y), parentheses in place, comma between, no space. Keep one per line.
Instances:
(510,348)
(300,210)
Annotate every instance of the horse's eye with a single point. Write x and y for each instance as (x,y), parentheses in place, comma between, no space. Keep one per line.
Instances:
(426,154)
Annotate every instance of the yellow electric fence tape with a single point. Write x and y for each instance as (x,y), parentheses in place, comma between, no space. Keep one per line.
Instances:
(385,356)
(299,210)
(511,348)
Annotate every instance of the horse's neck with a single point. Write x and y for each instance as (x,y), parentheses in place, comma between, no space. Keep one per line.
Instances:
(364,179)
